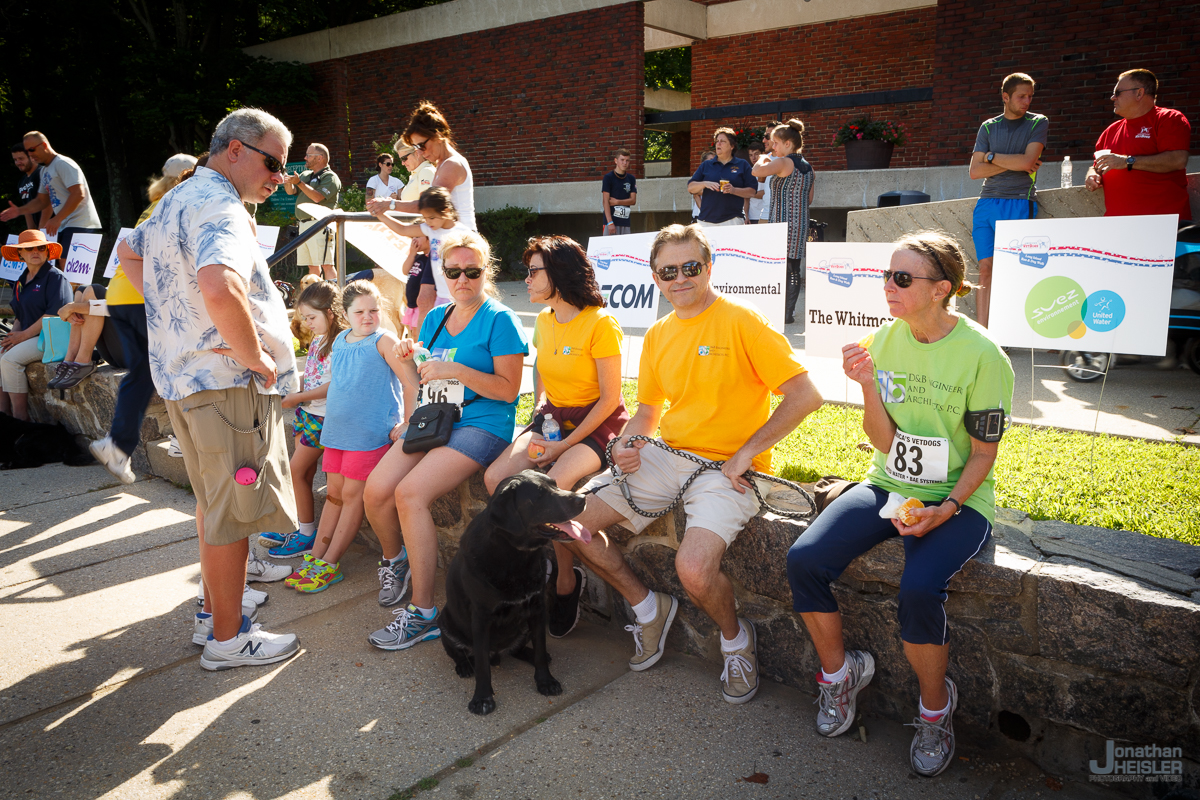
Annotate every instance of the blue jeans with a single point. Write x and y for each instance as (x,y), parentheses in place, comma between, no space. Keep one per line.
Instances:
(851,526)
(137,386)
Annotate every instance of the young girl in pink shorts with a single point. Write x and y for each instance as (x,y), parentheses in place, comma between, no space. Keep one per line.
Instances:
(363,416)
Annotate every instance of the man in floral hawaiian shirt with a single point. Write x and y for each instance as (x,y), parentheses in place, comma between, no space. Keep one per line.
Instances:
(221,356)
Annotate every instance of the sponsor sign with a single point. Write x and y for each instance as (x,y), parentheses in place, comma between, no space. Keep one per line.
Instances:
(844,299)
(81,259)
(749,264)
(110,268)
(268,236)
(1096,284)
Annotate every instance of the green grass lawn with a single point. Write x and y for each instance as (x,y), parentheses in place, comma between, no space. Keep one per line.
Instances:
(1110,482)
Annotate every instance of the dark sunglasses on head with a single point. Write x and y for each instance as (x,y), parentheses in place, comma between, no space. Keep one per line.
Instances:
(270,161)
(690,270)
(453,273)
(904,279)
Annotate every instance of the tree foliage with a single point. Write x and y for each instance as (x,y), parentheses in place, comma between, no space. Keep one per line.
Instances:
(120,85)
(669,69)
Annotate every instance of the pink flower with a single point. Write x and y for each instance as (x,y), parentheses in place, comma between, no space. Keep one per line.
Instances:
(860,136)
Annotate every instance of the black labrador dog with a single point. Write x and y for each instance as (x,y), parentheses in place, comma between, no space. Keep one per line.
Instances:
(24,445)
(495,585)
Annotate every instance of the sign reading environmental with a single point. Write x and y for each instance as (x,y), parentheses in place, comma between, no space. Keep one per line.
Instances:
(843,298)
(1096,284)
(749,264)
(110,268)
(81,259)
(377,241)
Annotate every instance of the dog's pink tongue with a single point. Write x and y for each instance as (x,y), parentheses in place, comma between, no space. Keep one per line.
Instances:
(574,530)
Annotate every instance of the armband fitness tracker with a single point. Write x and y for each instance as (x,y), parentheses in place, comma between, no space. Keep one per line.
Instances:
(988,425)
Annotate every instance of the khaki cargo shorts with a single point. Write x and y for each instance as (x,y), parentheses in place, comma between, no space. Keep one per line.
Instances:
(319,249)
(213,452)
(710,502)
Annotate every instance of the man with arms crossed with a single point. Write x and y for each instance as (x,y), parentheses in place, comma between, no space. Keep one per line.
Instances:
(221,356)
(1008,152)
(318,184)
(717,362)
(1145,169)
(64,190)
(618,194)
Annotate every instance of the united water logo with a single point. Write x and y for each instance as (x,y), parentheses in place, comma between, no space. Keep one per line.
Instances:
(1058,307)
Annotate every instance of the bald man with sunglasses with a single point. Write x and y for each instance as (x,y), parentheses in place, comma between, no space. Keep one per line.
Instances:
(717,362)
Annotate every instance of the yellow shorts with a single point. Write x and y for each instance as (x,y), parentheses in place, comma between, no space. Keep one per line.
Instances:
(319,249)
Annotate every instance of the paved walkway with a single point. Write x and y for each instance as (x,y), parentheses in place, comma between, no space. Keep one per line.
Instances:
(1137,400)
(102,695)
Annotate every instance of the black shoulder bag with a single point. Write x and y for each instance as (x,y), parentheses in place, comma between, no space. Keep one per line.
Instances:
(430,425)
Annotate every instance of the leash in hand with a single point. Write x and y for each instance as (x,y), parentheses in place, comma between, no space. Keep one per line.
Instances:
(619,478)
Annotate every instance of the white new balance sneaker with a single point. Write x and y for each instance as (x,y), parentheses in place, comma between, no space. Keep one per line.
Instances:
(249,596)
(203,626)
(252,646)
(265,571)
(115,461)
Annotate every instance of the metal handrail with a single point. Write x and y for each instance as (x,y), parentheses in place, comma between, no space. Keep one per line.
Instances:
(340,218)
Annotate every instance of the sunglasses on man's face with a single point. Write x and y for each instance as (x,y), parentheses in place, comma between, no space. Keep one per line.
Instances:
(904,279)
(690,270)
(270,161)
(453,273)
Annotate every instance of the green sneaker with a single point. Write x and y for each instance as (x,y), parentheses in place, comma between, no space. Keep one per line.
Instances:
(320,576)
(300,571)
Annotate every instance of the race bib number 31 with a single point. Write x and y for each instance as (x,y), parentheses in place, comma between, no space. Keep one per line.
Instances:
(920,460)
(445,391)
(620,212)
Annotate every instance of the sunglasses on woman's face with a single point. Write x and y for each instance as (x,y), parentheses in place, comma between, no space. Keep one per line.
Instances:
(904,279)
(453,273)
(690,270)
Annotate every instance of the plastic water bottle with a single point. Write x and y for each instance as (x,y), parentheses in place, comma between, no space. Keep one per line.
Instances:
(550,430)
(421,355)
(1067,182)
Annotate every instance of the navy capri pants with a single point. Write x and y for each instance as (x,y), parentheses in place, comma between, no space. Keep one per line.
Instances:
(850,526)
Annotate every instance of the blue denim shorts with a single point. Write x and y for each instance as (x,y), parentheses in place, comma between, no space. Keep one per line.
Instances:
(477,444)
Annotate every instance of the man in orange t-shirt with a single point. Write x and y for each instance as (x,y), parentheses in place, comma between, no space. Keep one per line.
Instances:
(717,362)
(1144,170)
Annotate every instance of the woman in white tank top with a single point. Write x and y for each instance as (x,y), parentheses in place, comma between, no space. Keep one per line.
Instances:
(428,131)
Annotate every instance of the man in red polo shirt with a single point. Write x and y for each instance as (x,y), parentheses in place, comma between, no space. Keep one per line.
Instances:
(1144,171)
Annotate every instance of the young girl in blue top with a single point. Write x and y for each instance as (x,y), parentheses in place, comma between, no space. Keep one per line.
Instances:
(482,345)
(367,393)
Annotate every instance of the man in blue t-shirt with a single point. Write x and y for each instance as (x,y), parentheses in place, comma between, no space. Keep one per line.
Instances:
(1008,152)
(618,193)
(723,183)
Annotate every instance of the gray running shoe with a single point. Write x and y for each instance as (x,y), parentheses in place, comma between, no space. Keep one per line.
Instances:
(393,582)
(407,629)
(78,372)
(739,680)
(60,371)
(837,703)
(649,639)
(203,626)
(265,571)
(251,647)
(933,744)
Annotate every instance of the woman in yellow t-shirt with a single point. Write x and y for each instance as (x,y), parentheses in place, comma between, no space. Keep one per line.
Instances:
(577,382)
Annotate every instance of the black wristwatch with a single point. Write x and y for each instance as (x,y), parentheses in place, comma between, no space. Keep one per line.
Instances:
(990,156)
(1129,164)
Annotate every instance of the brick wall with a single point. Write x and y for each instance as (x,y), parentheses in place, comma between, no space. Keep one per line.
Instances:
(876,53)
(537,102)
(1074,50)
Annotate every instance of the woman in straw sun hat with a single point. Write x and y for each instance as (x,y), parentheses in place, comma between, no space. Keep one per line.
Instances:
(39,292)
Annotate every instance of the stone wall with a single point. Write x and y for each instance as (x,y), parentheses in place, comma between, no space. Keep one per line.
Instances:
(1061,636)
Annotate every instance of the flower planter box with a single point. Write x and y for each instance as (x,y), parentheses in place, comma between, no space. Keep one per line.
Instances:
(868,154)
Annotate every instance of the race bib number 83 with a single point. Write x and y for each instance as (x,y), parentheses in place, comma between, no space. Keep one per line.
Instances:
(920,460)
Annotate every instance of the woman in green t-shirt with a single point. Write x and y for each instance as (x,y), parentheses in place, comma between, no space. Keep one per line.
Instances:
(925,376)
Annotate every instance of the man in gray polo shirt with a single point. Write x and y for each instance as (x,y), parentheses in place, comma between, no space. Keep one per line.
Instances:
(1008,152)
(64,190)
(318,184)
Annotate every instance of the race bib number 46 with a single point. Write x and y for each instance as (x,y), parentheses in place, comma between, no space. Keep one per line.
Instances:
(920,460)
(445,391)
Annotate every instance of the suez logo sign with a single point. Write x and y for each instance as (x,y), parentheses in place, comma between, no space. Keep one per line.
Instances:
(629,295)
